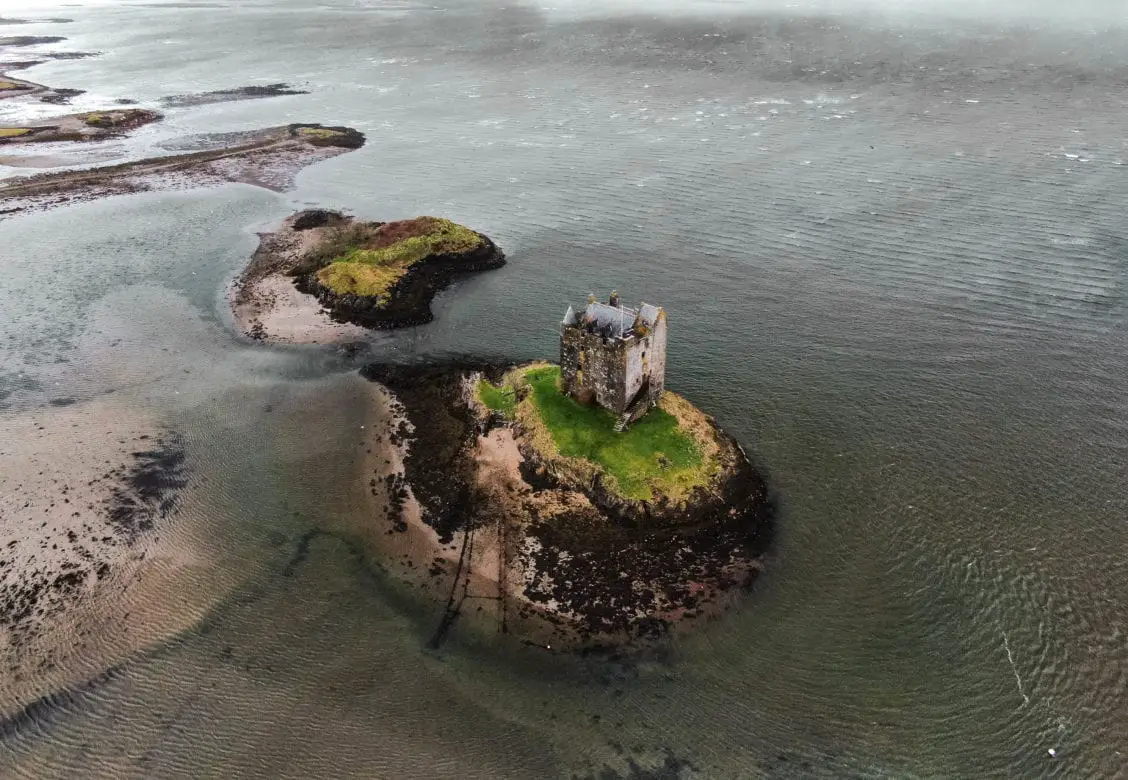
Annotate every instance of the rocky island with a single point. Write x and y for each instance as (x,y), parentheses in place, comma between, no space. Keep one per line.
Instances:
(325,277)
(539,500)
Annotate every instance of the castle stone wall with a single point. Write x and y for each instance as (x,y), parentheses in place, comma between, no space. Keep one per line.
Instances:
(656,358)
(612,371)
(586,361)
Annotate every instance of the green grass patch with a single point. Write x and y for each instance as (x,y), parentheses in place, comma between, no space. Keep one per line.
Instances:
(98,119)
(358,278)
(13,132)
(653,457)
(498,399)
(388,251)
(319,132)
(11,85)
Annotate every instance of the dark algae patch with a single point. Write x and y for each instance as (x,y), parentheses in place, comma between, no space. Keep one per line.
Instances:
(29,40)
(143,491)
(147,489)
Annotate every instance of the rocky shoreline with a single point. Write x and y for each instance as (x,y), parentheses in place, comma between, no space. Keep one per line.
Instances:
(568,565)
(87,126)
(280,298)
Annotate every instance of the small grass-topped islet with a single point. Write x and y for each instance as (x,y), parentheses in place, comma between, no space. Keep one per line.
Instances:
(369,260)
(666,454)
(13,132)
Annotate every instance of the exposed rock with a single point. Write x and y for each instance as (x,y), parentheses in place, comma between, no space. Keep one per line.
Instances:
(87,126)
(253,92)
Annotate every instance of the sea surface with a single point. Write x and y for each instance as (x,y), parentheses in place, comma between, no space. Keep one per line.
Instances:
(892,245)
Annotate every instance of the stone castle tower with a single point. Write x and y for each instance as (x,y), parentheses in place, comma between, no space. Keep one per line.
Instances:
(615,356)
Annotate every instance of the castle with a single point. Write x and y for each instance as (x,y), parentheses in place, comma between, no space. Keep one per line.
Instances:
(615,356)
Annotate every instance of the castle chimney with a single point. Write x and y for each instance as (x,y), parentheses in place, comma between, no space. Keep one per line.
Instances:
(614,299)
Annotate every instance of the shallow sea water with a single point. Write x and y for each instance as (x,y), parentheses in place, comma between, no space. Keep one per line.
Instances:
(893,253)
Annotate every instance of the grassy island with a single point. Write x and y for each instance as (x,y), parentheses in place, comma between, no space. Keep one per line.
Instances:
(367,260)
(665,455)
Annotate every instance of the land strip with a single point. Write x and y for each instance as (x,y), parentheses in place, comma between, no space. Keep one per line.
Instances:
(269,158)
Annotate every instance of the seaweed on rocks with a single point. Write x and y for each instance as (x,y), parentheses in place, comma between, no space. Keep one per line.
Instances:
(438,464)
(61,96)
(147,489)
(314,218)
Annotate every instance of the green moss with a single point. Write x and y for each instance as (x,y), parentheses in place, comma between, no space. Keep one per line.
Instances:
(97,119)
(442,237)
(319,132)
(358,278)
(421,238)
(406,252)
(13,132)
(653,457)
(499,399)
(10,85)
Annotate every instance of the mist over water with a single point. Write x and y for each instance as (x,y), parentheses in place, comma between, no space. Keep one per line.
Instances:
(890,240)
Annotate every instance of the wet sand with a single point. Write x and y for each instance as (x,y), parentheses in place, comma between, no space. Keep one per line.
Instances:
(268,307)
(90,573)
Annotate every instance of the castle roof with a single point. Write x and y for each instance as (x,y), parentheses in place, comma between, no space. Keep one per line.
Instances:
(612,321)
(620,319)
